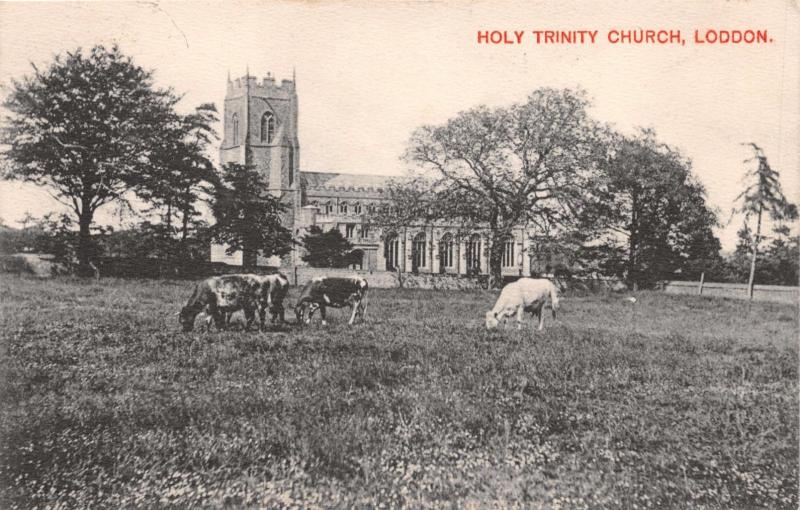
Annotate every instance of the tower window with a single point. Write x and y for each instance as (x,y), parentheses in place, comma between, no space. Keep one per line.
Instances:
(291,166)
(267,127)
(328,208)
(343,208)
(235,129)
(350,231)
(364,231)
(357,208)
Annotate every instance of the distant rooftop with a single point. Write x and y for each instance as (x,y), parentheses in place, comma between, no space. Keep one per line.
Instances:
(346,181)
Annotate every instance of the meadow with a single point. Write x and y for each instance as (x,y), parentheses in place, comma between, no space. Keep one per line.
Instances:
(671,402)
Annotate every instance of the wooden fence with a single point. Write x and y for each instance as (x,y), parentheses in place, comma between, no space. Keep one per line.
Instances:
(775,293)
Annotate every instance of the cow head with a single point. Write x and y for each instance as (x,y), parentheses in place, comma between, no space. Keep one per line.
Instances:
(491,320)
(186,318)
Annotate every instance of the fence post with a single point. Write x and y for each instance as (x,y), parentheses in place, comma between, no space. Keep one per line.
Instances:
(700,288)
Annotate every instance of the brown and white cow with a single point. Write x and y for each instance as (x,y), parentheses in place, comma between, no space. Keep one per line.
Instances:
(220,296)
(322,292)
(272,291)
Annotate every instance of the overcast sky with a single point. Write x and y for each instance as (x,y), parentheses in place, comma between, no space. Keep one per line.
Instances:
(367,75)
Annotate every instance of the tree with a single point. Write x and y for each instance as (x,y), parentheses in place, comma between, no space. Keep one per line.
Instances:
(85,128)
(764,194)
(248,216)
(181,169)
(496,169)
(327,249)
(647,199)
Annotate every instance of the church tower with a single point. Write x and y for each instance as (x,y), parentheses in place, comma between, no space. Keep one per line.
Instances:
(260,120)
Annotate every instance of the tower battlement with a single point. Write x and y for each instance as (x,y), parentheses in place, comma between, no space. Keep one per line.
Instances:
(266,86)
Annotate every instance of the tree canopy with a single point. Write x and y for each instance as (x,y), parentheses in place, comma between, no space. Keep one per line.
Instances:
(248,217)
(528,164)
(327,249)
(647,201)
(86,128)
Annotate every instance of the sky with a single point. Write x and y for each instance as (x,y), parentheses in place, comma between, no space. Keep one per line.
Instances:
(368,75)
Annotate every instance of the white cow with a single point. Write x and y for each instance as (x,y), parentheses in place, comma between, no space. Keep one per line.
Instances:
(524,295)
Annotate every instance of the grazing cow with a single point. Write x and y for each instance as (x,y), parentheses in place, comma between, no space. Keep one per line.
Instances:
(524,295)
(272,291)
(322,292)
(219,297)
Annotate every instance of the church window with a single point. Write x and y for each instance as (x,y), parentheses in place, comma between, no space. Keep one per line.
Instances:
(418,252)
(509,260)
(235,129)
(350,231)
(343,208)
(267,127)
(392,252)
(446,251)
(357,208)
(474,254)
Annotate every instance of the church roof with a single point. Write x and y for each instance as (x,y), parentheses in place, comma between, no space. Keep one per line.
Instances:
(334,181)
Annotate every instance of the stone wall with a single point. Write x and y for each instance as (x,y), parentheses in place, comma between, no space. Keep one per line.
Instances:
(300,275)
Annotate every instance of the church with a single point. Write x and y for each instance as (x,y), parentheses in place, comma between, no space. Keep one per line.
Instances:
(261,130)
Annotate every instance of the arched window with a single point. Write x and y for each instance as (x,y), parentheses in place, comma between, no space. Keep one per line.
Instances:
(474,254)
(328,209)
(235,129)
(267,127)
(342,207)
(371,209)
(446,251)
(357,208)
(418,252)
(391,247)
(509,258)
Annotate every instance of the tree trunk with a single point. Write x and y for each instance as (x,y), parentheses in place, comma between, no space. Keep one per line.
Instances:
(633,241)
(750,284)
(496,247)
(85,242)
(249,258)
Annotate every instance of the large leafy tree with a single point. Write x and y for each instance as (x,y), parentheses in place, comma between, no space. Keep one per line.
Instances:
(248,217)
(763,195)
(327,249)
(647,202)
(86,128)
(496,169)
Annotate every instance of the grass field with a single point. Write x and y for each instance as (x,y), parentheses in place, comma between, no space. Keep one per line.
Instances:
(675,401)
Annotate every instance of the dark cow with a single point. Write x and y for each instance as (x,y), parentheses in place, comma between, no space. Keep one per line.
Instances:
(220,296)
(322,292)
(272,291)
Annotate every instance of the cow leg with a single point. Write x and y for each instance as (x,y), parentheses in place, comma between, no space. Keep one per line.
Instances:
(262,315)
(250,317)
(541,316)
(363,306)
(322,314)
(520,314)
(355,306)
